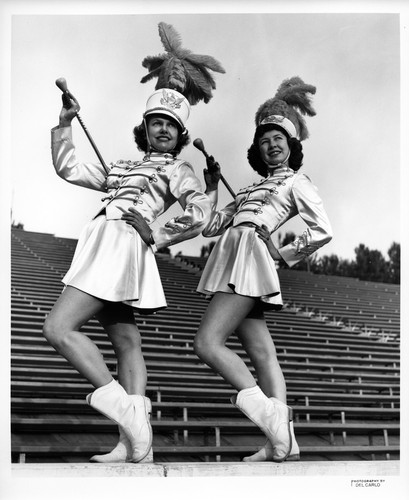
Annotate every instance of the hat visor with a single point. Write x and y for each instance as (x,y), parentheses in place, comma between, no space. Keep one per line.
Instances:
(166,112)
(281,122)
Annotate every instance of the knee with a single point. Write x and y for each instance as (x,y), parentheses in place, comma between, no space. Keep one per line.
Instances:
(48,330)
(198,347)
(127,340)
(261,354)
(53,332)
(203,348)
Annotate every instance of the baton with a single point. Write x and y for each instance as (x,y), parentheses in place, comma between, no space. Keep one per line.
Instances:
(198,143)
(62,85)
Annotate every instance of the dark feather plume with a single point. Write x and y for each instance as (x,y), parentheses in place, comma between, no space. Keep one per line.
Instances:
(296,93)
(180,69)
(292,100)
(154,65)
(170,38)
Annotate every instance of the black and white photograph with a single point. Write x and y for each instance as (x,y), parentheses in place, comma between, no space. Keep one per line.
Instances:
(203,216)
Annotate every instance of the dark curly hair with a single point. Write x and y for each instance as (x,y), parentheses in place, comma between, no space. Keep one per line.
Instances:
(141,140)
(254,157)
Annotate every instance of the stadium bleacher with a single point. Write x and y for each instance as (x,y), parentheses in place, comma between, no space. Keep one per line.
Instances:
(337,341)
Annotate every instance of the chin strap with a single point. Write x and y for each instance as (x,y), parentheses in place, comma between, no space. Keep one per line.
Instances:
(147,135)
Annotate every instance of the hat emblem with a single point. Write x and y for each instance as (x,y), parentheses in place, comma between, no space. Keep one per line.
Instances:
(170,100)
(273,119)
(281,121)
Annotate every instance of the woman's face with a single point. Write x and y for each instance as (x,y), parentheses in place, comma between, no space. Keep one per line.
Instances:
(163,133)
(274,148)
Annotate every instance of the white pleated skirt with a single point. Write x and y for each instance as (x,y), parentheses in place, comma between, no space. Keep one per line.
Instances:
(111,262)
(240,263)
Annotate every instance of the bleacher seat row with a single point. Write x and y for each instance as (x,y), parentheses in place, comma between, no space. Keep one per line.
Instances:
(337,340)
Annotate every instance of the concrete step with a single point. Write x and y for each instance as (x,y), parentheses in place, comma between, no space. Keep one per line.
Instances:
(360,471)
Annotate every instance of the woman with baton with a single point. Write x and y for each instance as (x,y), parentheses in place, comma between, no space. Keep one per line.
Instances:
(240,273)
(114,271)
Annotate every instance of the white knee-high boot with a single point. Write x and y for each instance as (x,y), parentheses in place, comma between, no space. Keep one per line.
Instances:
(270,415)
(131,413)
(121,453)
(266,453)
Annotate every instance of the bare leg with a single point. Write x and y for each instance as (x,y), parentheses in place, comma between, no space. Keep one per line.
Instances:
(61,329)
(256,339)
(119,323)
(224,314)
(257,342)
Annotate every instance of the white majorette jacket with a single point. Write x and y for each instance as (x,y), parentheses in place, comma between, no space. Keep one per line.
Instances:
(272,202)
(151,186)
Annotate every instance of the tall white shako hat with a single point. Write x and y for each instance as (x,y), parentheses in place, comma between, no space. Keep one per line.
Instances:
(284,110)
(171,103)
(184,78)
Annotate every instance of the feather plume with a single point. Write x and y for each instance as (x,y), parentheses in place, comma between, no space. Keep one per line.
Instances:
(295,92)
(180,69)
(206,61)
(153,64)
(292,100)
(170,38)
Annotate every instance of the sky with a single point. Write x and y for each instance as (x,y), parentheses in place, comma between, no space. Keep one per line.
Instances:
(352,155)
